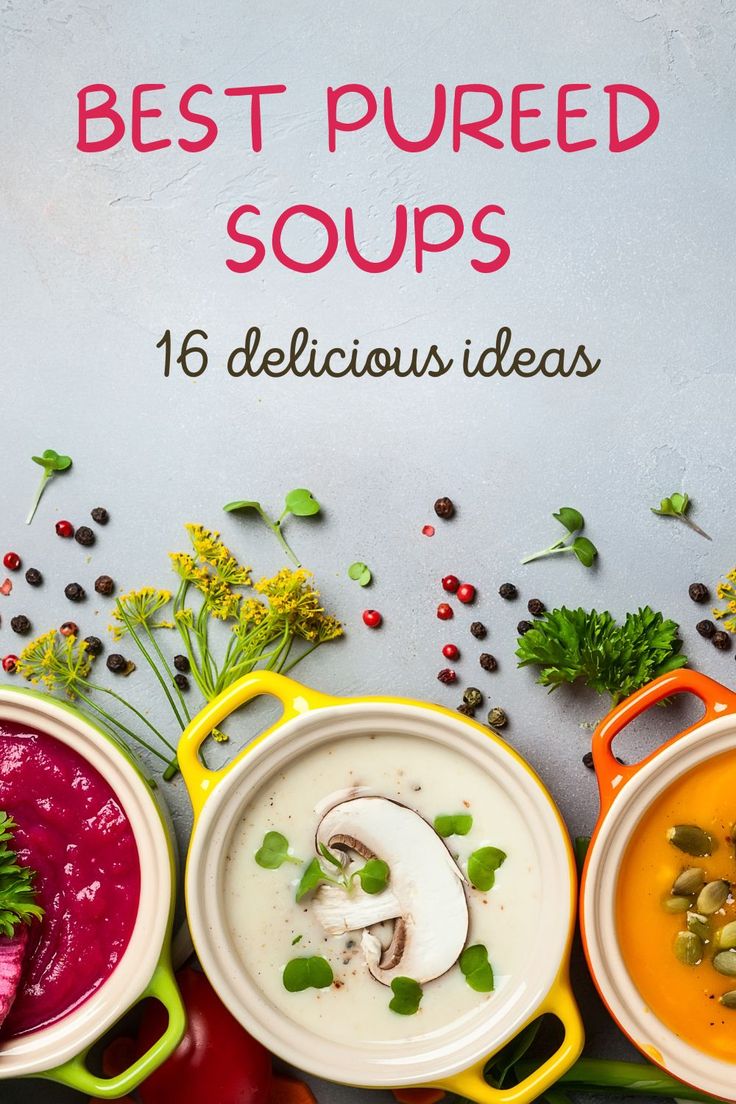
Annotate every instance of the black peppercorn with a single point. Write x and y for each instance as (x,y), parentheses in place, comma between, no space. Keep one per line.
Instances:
(536,607)
(698,592)
(69,628)
(447,675)
(94,645)
(721,640)
(588,760)
(524,627)
(100,515)
(181,681)
(508,591)
(488,662)
(181,663)
(706,628)
(20,624)
(466,710)
(478,630)
(116,663)
(444,508)
(75,592)
(473,697)
(34,576)
(104,585)
(85,536)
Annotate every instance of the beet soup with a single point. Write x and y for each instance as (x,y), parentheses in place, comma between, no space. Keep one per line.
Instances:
(72,830)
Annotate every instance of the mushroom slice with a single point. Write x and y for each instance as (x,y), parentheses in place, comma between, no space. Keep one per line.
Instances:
(339,912)
(429,906)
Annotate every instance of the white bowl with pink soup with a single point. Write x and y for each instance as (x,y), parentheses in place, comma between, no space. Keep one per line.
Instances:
(88,824)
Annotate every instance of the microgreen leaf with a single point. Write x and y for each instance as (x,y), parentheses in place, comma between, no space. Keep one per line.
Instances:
(454,824)
(302,503)
(476,968)
(573,521)
(243,504)
(327,854)
(307,973)
(482,867)
(677,505)
(52,463)
(312,877)
(570,518)
(373,876)
(360,573)
(585,551)
(407,996)
(274,851)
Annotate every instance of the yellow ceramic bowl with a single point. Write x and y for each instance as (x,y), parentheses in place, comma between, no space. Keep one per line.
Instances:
(454,1058)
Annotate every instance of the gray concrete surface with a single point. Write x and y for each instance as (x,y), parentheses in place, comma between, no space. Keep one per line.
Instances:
(630,255)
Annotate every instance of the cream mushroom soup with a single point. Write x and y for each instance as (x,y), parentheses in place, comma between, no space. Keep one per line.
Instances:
(352,828)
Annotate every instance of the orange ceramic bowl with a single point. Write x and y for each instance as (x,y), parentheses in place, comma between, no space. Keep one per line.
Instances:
(670,1011)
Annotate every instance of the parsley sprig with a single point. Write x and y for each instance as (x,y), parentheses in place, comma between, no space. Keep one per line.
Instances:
(591,647)
(17,896)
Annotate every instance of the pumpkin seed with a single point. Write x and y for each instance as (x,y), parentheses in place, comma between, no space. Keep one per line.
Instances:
(725,938)
(713,896)
(677,904)
(688,948)
(728,1000)
(725,963)
(690,839)
(700,925)
(688,882)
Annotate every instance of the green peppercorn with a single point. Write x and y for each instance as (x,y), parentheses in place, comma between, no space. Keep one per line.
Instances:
(473,697)
(466,710)
(497,717)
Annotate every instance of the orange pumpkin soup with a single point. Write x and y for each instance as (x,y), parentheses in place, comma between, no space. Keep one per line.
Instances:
(685,997)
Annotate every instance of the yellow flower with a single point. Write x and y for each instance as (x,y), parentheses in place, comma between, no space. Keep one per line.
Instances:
(294,600)
(185,567)
(220,600)
(253,612)
(55,661)
(726,592)
(138,609)
(210,550)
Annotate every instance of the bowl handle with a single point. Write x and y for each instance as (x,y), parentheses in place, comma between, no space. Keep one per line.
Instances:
(611,774)
(560,1001)
(295,698)
(76,1074)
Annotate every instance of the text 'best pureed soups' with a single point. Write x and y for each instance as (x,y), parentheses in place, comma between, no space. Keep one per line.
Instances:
(73,832)
(675,907)
(381,887)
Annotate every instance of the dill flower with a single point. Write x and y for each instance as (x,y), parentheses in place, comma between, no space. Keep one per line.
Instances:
(56,662)
(221,601)
(210,550)
(252,612)
(726,592)
(186,567)
(138,608)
